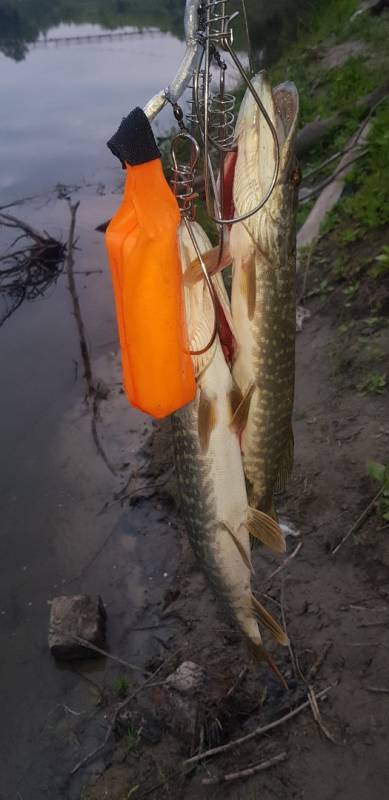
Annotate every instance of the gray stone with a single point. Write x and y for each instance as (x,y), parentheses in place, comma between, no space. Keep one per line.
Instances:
(188,677)
(75,618)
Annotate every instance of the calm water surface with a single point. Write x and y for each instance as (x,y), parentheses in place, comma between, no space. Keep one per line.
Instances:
(61,104)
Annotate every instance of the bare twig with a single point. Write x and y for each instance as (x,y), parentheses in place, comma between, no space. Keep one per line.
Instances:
(105,653)
(310,193)
(375,624)
(285,562)
(318,663)
(377,689)
(76,302)
(240,678)
(13,222)
(246,773)
(317,716)
(215,751)
(293,658)
(92,392)
(361,519)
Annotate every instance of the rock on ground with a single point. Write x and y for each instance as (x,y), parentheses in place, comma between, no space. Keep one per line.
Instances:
(75,622)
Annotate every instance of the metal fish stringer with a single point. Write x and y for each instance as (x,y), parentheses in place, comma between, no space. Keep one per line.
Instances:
(217,120)
(182,185)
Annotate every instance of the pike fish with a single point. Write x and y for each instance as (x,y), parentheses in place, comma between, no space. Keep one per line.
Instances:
(210,472)
(263,251)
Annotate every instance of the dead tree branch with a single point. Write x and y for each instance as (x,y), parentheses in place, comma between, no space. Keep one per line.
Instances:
(92,394)
(215,751)
(246,773)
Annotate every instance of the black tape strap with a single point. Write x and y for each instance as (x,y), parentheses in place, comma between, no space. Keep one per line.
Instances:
(134,142)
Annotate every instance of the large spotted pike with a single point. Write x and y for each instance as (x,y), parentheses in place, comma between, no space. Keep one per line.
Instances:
(263,250)
(210,472)
(263,253)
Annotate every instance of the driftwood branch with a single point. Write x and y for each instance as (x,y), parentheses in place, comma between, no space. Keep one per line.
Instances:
(246,773)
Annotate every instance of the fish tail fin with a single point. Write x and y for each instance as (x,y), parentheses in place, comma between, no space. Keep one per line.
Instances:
(269,622)
(263,527)
(261,654)
(214,262)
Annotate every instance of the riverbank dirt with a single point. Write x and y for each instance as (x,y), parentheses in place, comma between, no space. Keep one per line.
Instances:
(336,608)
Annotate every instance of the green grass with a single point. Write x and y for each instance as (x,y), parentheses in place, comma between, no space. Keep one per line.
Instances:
(132,740)
(121,686)
(375,383)
(369,205)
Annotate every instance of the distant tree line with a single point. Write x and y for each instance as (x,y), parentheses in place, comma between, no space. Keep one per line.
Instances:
(23,21)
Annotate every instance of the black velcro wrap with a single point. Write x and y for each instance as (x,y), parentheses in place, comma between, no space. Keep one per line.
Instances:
(134,143)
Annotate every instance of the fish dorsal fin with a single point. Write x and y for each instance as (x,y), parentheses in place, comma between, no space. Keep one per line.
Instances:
(286,465)
(248,283)
(239,546)
(214,262)
(269,622)
(266,529)
(261,654)
(207,417)
(240,416)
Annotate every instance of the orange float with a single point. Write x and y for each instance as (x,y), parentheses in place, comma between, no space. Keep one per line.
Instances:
(142,246)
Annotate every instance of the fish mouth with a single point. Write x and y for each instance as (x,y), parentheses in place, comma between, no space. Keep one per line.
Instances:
(282,106)
(286,102)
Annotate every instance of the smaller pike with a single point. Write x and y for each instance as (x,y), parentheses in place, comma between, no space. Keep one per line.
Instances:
(210,473)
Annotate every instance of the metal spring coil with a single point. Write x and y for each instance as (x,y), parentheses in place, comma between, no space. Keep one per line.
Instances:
(182,184)
(183,173)
(222,119)
(192,116)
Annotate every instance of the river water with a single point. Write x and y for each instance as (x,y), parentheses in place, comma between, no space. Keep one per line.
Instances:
(62,102)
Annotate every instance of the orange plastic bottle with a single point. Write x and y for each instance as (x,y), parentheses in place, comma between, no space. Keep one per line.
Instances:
(143,252)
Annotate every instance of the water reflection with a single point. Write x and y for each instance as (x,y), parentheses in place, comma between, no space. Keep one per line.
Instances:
(62,104)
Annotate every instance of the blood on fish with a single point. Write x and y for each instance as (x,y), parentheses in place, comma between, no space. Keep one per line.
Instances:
(228,181)
(225,335)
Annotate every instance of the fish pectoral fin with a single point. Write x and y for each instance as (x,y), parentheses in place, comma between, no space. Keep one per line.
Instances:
(207,416)
(261,526)
(248,284)
(239,546)
(240,415)
(235,397)
(286,465)
(261,654)
(269,622)
(214,261)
